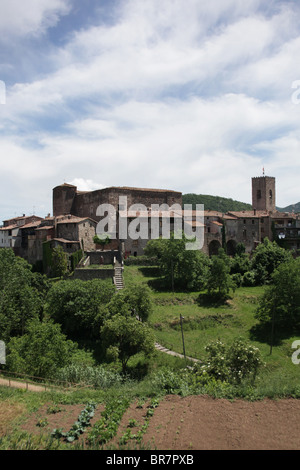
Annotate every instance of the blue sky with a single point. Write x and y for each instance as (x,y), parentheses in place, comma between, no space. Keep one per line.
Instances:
(188,95)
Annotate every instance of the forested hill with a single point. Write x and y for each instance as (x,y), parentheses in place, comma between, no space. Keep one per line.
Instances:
(292,208)
(215,203)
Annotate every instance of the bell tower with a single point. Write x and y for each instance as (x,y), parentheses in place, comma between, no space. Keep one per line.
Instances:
(263,193)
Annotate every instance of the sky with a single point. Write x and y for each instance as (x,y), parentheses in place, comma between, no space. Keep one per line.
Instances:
(188,95)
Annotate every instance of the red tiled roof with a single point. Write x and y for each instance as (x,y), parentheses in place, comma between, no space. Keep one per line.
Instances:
(63,240)
(31,224)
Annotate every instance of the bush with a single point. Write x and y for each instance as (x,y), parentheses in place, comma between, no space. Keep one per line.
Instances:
(232,364)
(97,377)
(249,279)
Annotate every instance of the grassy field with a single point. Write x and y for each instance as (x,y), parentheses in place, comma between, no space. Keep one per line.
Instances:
(205,321)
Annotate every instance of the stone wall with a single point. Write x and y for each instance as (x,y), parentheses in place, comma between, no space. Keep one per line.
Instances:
(107,255)
(86,274)
(67,200)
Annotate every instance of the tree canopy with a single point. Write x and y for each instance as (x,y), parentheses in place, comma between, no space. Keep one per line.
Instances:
(281,299)
(124,337)
(181,268)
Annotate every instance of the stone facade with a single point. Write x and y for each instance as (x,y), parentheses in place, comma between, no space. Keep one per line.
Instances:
(75,220)
(67,200)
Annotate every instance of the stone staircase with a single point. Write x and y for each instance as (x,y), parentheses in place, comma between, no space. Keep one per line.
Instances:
(118,277)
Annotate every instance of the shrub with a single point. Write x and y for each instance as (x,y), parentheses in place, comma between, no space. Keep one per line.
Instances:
(234,363)
(97,377)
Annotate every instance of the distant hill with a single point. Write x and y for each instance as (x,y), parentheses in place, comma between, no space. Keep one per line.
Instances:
(291,208)
(223,204)
(215,203)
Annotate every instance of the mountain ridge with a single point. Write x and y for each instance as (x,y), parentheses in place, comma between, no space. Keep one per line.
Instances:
(224,204)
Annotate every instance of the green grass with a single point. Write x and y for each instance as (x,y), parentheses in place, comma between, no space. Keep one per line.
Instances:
(205,321)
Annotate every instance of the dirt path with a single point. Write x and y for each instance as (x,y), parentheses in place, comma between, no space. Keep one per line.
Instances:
(161,348)
(23,385)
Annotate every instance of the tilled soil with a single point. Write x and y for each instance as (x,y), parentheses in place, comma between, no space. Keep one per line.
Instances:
(197,423)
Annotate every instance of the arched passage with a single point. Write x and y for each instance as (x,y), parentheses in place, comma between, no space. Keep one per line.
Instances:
(213,247)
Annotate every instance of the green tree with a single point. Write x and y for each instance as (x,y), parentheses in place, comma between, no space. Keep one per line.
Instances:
(219,278)
(266,258)
(22,294)
(80,307)
(181,268)
(59,266)
(139,301)
(281,300)
(123,337)
(40,351)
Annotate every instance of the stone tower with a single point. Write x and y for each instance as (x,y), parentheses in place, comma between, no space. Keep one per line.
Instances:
(63,199)
(263,193)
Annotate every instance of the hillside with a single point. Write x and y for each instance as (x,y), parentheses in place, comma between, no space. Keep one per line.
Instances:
(290,208)
(223,204)
(215,203)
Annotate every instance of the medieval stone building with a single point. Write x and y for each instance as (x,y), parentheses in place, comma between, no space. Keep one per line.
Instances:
(76,218)
(68,200)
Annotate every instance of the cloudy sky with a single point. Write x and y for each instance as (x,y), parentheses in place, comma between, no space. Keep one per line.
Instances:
(189,95)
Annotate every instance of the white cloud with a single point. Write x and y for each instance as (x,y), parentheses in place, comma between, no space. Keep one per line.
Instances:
(195,98)
(86,184)
(30,17)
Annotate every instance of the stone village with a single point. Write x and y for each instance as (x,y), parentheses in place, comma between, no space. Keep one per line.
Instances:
(74,222)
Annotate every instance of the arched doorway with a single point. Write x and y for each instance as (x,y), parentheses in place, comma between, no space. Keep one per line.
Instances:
(213,247)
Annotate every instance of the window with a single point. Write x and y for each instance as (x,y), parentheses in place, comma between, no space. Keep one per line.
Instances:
(270,194)
(258,194)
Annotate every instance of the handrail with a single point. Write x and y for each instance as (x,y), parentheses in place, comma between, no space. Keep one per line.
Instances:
(38,381)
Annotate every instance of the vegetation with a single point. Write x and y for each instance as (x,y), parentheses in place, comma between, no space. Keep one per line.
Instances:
(240,318)
(215,203)
(126,336)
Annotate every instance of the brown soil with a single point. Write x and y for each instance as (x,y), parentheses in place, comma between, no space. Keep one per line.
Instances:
(195,423)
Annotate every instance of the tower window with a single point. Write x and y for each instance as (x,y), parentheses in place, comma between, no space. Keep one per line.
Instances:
(258,194)
(270,194)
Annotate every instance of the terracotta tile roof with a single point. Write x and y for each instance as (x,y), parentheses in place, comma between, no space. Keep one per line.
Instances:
(10,227)
(45,227)
(128,188)
(63,240)
(249,214)
(216,223)
(73,219)
(31,224)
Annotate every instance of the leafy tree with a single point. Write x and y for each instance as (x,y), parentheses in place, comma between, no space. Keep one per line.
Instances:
(240,263)
(219,278)
(266,258)
(139,300)
(21,294)
(59,262)
(181,268)
(80,307)
(123,337)
(281,299)
(40,351)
